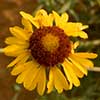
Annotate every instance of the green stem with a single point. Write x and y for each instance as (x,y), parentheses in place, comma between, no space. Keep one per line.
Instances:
(93,42)
(95,69)
(1,50)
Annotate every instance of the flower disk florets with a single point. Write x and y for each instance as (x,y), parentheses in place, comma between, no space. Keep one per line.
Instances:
(49,45)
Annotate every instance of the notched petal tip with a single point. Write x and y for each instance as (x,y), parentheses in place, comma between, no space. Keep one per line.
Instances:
(41,11)
(55,13)
(94,55)
(65,17)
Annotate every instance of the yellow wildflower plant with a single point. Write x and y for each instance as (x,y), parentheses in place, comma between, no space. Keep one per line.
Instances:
(44,54)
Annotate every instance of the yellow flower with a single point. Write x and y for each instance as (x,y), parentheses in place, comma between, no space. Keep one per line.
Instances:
(45,56)
(43,19)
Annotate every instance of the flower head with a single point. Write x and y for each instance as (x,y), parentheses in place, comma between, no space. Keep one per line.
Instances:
(45,54)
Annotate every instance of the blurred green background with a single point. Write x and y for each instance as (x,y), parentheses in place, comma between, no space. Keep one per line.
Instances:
(85,11)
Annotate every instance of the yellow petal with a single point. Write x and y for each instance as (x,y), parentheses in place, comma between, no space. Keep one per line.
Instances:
(42,81)
(60,81)
(77,64)
(18,69)
(74,29)
(84,62)
(43,18)
(65,17)
(50,21)
(76,44)
(14,40)
(78,73)
(21,68)
(34,82)
(70,86)
(57,18)
(41,12)
(70,74)
(19,33)
(32,74)
(14,50)
(37,81)
(30,78)
(78,33)
(27,26)
(31,82)
(84,27)
(50,83)
(73,47)
(20,57)
(82,34)
(21,77)
(25,59)
(30,18)
(86,55)
(67,73)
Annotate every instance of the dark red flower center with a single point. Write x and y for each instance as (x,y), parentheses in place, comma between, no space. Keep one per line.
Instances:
(49,46)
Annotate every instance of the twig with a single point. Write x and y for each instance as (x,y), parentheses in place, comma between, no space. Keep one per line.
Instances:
(93,42)
(1,50)
(95,69)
